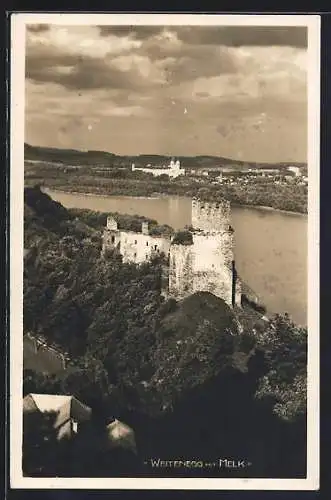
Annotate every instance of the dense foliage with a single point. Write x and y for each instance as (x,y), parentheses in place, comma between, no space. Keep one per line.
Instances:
(182,238)
(126,222)
(150,361)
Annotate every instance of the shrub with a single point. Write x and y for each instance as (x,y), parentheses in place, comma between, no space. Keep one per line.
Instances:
(183,238)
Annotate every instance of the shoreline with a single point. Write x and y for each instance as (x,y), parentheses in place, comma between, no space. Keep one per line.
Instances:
(163,195)
(81,193)
(269,209)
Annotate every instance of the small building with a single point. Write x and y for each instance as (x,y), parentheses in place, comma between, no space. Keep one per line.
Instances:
(219,178)
(121,435)
(70,413)
(296,170)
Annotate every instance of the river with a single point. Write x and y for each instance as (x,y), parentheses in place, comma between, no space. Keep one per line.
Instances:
(270,246)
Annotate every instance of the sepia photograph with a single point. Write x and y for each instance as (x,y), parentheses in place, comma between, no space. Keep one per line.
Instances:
(164,251)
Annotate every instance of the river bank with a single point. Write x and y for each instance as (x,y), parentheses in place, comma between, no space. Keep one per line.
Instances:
(156,196)
(269,209)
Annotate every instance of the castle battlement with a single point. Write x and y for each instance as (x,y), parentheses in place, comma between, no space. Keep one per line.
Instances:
(211,216)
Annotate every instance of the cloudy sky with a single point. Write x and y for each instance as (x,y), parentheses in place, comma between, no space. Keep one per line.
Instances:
(237,92)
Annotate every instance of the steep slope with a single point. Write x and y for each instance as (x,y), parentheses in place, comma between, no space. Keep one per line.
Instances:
(46,219)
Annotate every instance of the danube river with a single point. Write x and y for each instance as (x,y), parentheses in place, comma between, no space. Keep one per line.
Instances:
(270,246)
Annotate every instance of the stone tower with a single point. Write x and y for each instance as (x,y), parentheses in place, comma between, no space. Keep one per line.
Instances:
(111,239)
(211,217)
(208,264)
(180,273)
(144,228)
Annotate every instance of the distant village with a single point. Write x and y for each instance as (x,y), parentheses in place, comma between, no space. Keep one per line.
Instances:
(227,175)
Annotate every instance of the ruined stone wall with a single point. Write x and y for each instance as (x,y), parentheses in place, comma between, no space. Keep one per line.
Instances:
(180,271)
(217,282)
(138,247)
(227,247)
(200,267)
(212,271)
(111,223)
(111,240)
(210,216)
(238,291)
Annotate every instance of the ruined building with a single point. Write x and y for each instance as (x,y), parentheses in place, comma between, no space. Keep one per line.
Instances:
(134,247)
(205,263)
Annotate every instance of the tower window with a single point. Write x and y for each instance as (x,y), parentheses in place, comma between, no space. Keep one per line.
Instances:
(135,242)
(113,239)
(155,247)
(135,255)
(147,243)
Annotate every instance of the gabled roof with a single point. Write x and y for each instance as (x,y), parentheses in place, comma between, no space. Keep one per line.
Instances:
(29,405)
(120,434)
(66,407)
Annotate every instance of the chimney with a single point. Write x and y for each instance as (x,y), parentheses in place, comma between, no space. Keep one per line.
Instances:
(144,228)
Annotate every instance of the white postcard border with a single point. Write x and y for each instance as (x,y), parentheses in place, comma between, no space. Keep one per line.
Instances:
(17,118)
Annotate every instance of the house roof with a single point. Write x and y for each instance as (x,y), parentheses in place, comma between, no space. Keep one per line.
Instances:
(121,434)
(29,405)
(66,407)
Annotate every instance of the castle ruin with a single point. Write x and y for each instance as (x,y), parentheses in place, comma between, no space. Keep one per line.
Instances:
(206,263)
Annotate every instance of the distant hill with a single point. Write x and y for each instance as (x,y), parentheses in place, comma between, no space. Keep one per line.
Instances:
(102,158)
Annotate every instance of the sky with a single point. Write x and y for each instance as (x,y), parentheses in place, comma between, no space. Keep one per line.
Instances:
(233,91)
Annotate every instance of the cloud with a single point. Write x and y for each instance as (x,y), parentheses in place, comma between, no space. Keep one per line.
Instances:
(182,62)
(277,72)
(137,32)
(79,40)
(78,58)
(74,72)
(230,36)
(37,28)
(128,88)
(200,61)
(238,36)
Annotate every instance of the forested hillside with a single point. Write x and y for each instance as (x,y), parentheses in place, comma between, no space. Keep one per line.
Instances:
(180,374)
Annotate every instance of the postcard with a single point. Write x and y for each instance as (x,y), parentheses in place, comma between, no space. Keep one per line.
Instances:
(164,251)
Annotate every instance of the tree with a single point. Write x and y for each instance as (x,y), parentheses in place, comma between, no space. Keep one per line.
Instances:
(40,445)
(183,238)
(285,348)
